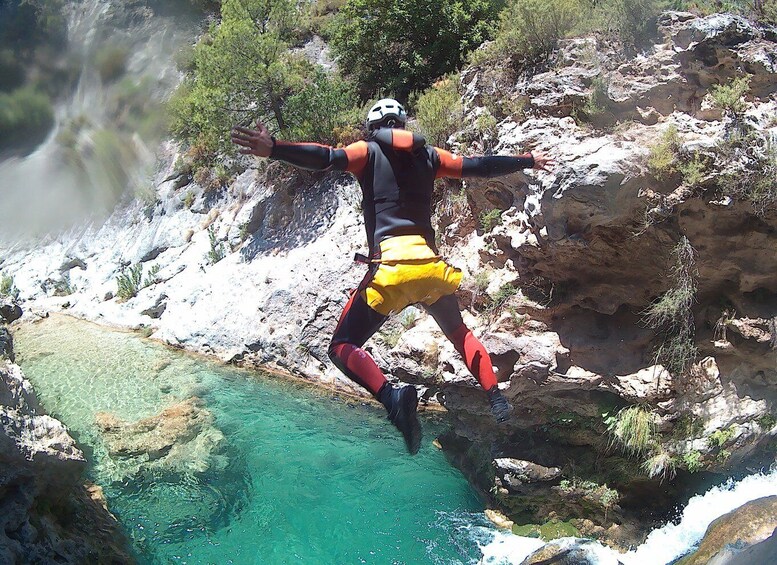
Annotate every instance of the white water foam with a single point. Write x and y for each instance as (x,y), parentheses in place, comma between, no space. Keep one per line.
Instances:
(663,545)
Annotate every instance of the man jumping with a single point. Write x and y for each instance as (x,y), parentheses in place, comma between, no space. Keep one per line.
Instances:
(396,170)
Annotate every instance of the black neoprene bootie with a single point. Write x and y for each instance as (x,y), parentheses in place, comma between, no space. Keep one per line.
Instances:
(401,404)
(500,408)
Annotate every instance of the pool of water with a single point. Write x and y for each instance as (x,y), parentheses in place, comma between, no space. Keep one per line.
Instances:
(301,476)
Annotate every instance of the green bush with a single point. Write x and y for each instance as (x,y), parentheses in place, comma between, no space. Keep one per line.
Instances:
(692,461)
(111,62)
(636,20)
(663,155)
(26,116)
(660,464)
(730,97)
(634,428)
(7,287)
(243,70)
(500,298)
(393,46)
(529,29)
(129,282)
(489,219)
(439,111)
(324,105)
(217,251)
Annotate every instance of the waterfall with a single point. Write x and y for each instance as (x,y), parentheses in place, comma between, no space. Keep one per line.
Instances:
(664,544)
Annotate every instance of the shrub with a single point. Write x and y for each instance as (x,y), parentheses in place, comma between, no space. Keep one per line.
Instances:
(7,287)
(322,109)
(129,282)
(597,102)
(529,30)
(401,47)
(490,219)
(767,422)
(661,464)
(63,287)
(439,111)
(217,251)
(671,312)
(243,69)
(730,97)
(636,20)
(692,461)
(151,276)
(663,155)
(757,181)
(634,428)
(111,62)
(719,438)
(26,116)
(693,171)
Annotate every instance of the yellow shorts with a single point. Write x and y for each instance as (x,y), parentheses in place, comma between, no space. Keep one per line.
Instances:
(408,272)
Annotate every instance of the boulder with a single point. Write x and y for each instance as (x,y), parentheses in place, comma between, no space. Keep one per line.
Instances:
(572,551)
(731,533)
(9,311)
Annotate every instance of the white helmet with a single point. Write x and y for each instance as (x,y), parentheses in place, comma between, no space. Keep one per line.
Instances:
(386,113)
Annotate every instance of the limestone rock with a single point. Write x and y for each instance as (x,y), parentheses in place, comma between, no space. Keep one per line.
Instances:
(181,438)
(749,524)
(571,551)
(515,474)
(9,311)
(6,345)
(46,515)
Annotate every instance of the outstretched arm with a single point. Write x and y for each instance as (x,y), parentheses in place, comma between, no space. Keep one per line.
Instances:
(454,166)
(311,156)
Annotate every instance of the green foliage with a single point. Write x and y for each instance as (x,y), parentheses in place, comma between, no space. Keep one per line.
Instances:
(26,116)
(188,199)
(63,287)
(499,299)
(481,280)
(719,438)
(439,111)
(325,105)
(730,97)
(756,182)
(671,312)
(636,19)
(767,421)
(111,62)
(634,428)
(243,71)
(663,155)
(688,426)
(400,47)
(408,318)
(529,30)
(217,251)
(151,276)
(129,281)
(490,219)
(30,23)
(597,102)
(660,464)
(692,461)
(7,287)
(693,171)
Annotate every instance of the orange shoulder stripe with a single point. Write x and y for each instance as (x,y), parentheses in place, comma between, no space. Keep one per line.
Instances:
(357,157)
(450,164)
(402,139)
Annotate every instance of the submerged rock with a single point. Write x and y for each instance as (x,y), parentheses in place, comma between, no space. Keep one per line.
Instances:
(180,439)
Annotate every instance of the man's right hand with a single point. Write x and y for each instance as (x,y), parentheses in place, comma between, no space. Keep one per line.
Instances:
(257,141)
(542,162)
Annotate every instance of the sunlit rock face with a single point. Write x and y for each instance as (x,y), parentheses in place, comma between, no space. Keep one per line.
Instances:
(46,512)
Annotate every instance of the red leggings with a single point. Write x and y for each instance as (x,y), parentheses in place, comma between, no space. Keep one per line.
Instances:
(359,322)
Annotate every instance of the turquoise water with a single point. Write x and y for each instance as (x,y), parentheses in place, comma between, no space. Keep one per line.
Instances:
(300,476)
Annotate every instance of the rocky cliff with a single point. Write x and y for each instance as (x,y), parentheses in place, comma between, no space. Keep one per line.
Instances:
(47,513)
(628,298)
